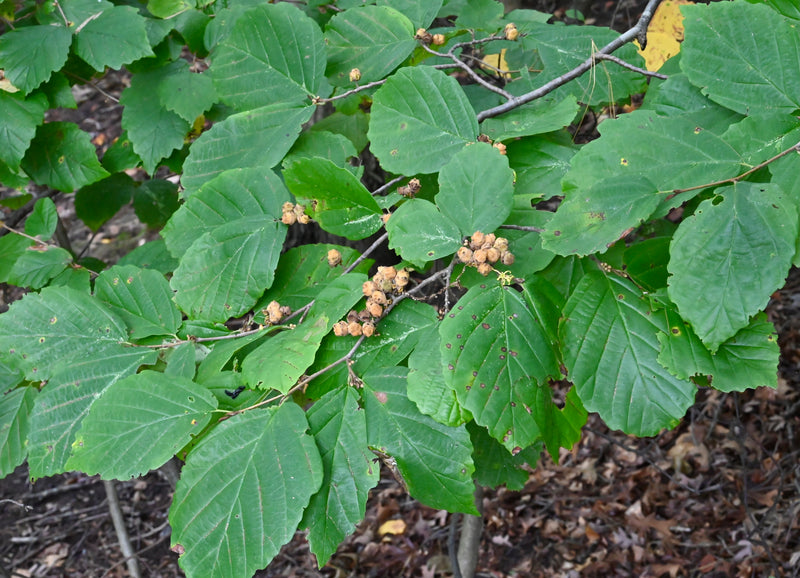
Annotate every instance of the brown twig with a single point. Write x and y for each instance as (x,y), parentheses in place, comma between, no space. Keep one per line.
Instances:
(122,533)
(363,87)
(472,74)
(623,64)
(639,31)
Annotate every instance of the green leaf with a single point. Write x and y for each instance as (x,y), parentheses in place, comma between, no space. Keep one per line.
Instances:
(749,359)
(226,270)
(138,424)
(15,409)
(29,55)
(476,189)
(229,197)
(155,201)
(120,155)
(142,298)
(154,130)
(591,221)
(339,427)
(540,163)
(187,94)
(182,361)
(65,401)
(303,270)
(43,220)
(426,384)
(12,247)
(62,157)
(421,14)
(420,118)
(261,468)
(786,7)
(749,227)
(258,138)
(270,45)
(420,232)
(36,266)
(167,8)
(97,203)
(353,126)
(497,357)
(328,145)
(373,39)
(494,466)
(336,198)
(646,264)
(152,255)
(18,124)
(609,336)
(281,360)
(115,38)
(480,15)
(563,48)
(764,43)
(435,460)
(541,116)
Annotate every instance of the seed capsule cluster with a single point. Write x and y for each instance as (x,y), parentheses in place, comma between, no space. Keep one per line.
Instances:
(294,214)
(510,31)
(498,145)
(411,189)
(482,251)
(380,291)
(275,312)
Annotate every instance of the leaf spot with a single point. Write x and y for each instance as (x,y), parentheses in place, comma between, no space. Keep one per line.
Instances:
(450,366)
(621,297)
(514,353)
(381,396)
(676,331)
(129,280)
(504,349)
(458,336)
(623,162)
(41,340)
(497,388)
(191,398)
(469,387)
(53,320)
(474,374)
(483,386)
(516,450)
(502,357)
(556,233)
(448,345)
(513,404)
(486,326)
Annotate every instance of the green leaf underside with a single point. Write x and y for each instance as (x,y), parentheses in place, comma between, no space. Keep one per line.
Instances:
(476,189)
(343,205)
(115,38)
(420,232)
(609,339)
(747,360)
(591,221)
(142,298)
(339,427)
(766,46)
(373,39)
(497,357)
(229,197)
(541,116)
(18,124)
(273,54)
(243,490)
(435,460)
(15,409)
(29,55)
(257,138)
(62,157)
(139,423)
(749,227)
(420,118)
(226,270)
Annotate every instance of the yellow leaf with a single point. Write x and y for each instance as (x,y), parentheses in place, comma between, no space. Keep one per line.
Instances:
(395,527)
(664,34)
(497,62)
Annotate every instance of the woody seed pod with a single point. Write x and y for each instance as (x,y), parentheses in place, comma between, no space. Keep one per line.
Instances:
(477,240)
(385,217)
(507,258)
(379,297)
(368,329)
(374,309)
(287,207)
(439,39)
(368,288)
(352,316)
(387,273)
(402,279)
(334,257)
(423,35)
(288,218)
(273,311)
(340,328)
(354,328)
(484,269)
(303,219)
(364,315)
(484,138)
(286,310)
(464,254)
(492,255)
(489,240)
(510,31)
(355,75)
(480,256)
(501,147)
(501,244)
(414,186)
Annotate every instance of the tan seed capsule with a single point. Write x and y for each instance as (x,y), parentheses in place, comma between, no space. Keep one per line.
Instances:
(477,240)
(352,316)
(507,258)
(388,273)
(402,279)
(364,315)
(484,269)
(299,210)
(303,219)
(287,207)
(510,31)
(374,309)
(385,217)
(340,328)
(501,147)
(424,36)
(354,328)
(480,256)
(489,239)
(439,39)
(484,138)
(414,186)
(355,75)
(286,310)
(368,288)
(274,313)
(288,218)
(368,329)
(334,257)
(464,254)
(492,255)
(379,297)
(501,244)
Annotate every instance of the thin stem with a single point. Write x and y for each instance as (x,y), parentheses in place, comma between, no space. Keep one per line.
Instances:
(64,16)
(366,253)
(472,74)
(523,228)
(623,64)
(795,148)
(36,240)
(363,87)
(93,85)
(383,188)
(639,31)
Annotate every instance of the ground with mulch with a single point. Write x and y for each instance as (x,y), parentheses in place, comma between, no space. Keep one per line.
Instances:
(718,496)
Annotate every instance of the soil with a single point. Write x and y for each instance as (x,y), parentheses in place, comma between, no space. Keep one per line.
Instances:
(718,496)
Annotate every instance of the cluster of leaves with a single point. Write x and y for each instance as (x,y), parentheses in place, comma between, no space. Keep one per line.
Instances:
(648,281)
